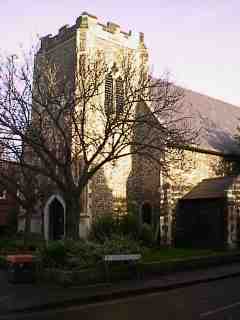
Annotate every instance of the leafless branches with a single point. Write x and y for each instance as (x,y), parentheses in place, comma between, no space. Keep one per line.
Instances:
(64,129)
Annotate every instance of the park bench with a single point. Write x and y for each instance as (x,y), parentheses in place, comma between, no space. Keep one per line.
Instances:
(131,259)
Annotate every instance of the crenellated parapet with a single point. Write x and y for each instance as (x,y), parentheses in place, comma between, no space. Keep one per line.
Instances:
(87,23)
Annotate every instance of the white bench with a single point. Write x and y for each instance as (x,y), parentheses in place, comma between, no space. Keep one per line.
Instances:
(112,258)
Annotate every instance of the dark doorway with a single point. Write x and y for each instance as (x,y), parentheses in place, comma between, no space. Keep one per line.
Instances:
(147,213)
(56,220)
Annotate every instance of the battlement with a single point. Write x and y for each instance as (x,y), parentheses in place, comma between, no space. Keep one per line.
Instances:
(86,21)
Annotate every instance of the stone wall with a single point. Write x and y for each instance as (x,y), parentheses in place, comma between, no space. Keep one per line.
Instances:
(194,167)
(232,215)
(183,176)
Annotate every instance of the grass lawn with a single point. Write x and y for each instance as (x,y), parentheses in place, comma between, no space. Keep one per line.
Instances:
(166,254)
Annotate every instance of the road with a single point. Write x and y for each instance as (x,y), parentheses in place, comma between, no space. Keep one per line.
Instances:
(210,301)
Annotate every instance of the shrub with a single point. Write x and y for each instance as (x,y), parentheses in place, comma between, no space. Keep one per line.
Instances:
(87,253)
(16,243)
(120,245)
(3,262)
(129,226)
(82,253)
(54,254)
(11,245)
(146,235)
(103,227)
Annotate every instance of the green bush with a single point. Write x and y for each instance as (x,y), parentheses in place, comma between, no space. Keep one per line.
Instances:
(86,253)
(3,262)
(16,243)
(129,226)
(103,227)
(11,245)
(82,253)
(147,236)
(120,245)
(54,254)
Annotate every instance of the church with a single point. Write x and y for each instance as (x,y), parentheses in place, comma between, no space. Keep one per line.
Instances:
(171,202)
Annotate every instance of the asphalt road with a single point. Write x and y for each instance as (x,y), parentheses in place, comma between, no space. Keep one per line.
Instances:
(215,300)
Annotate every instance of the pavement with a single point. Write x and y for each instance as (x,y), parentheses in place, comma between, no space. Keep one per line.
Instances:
(23,298)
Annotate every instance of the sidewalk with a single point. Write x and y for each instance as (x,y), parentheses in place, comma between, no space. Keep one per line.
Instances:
(36,297)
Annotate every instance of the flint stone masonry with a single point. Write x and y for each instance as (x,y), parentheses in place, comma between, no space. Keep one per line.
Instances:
(183,176)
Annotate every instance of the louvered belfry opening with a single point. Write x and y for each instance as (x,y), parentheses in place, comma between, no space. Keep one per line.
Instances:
(114,95)
(108,103)
(119,96)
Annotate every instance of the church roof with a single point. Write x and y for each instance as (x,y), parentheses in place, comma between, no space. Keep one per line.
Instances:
(211,188)
(217,121)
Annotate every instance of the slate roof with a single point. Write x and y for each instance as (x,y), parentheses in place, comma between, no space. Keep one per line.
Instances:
(211,188)
(218,121)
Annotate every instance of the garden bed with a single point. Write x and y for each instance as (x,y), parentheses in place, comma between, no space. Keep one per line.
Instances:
(147,269)
(81,262)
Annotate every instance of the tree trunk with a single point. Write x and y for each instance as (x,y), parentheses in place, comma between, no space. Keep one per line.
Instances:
(72,216)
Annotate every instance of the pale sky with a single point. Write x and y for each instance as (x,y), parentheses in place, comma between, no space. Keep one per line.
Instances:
(198,42)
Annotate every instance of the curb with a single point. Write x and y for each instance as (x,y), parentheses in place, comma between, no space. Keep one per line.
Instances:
(114,295)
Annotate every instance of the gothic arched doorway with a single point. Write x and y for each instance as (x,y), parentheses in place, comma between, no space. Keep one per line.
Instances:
(56,220)
(147,213)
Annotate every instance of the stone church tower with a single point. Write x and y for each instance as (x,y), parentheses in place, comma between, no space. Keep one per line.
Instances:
(107,191)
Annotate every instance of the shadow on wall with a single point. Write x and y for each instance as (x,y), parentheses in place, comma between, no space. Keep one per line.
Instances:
(144,180)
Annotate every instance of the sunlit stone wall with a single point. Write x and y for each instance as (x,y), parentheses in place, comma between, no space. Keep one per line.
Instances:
(108,189)
(183,176)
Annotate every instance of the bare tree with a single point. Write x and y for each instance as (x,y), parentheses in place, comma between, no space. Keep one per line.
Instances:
(24,186)
(65,128)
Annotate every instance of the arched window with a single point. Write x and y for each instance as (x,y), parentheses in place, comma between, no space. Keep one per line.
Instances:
(108,102)
(119,95)
(147,213)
